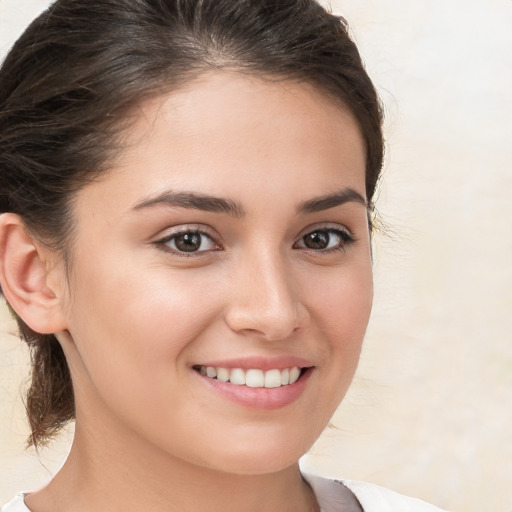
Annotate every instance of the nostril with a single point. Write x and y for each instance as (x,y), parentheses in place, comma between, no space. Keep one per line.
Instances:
(265,301)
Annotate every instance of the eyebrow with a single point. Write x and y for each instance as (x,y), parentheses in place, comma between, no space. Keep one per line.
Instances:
(318,204)
(192,200)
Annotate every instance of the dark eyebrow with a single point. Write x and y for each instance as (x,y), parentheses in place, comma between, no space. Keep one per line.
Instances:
(213,204)
(194,201)
(318,204)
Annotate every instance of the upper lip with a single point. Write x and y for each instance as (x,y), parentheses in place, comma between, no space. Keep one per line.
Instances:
(260,362)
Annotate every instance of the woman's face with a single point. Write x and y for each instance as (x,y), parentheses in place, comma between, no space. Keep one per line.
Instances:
(230,241)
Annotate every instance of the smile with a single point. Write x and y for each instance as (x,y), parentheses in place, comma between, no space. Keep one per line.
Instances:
(253,377)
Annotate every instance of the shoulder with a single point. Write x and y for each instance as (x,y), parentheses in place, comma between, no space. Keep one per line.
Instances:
(372,498)
(17,504)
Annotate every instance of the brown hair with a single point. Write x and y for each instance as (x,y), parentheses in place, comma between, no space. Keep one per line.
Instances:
(67,83)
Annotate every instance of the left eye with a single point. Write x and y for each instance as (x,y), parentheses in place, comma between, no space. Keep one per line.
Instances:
(189,242)
(325,239)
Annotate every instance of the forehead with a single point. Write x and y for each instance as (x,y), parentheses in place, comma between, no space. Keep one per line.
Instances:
(233,134)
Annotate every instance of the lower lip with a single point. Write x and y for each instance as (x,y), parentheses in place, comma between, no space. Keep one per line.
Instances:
(260,398)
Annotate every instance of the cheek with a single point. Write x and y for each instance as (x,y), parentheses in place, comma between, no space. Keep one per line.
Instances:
(134,298)
(133,328)
(342,310)
(343,302)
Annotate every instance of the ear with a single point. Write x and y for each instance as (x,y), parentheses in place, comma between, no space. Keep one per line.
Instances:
(28,277)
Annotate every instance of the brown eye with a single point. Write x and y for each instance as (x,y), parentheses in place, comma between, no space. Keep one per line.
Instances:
(325,240)
(189,242)
(317,240)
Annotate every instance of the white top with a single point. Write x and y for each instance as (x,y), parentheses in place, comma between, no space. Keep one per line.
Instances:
(329,494)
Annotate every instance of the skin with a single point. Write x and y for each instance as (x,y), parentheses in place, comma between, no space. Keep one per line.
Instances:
(135,317)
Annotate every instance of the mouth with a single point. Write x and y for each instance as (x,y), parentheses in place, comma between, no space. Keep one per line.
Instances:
(253,377)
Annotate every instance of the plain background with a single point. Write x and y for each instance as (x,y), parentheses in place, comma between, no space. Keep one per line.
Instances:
(430,410)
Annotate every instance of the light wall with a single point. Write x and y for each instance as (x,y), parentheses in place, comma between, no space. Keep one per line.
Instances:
(430,411)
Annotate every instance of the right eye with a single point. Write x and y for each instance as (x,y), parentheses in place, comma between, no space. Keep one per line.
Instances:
(326,240)
(188,242)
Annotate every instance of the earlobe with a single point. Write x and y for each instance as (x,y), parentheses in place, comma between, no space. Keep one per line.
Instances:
(24,276)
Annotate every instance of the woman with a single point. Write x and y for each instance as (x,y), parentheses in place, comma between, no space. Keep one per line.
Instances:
(186,189)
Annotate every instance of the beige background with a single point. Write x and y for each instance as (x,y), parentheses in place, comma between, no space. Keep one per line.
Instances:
(430,411)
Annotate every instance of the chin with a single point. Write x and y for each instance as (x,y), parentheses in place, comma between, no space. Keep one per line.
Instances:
(258,455)
(255,464)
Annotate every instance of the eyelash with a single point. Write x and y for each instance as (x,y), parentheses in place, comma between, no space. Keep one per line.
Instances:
(344,236)
(163,243)
(345,239)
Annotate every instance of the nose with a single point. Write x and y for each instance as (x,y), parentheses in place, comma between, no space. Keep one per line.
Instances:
(265,300)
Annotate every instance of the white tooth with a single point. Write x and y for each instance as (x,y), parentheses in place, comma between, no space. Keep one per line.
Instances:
(211,372)
(254,378)
(294,374)
(285,377)
(202,370)
(223,374)
(237,377)
(273,379)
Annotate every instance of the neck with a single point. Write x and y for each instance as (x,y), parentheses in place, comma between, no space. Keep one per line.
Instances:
(132,476)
